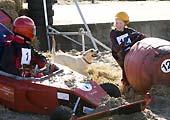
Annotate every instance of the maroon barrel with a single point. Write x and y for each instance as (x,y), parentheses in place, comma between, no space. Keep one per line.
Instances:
(148,63)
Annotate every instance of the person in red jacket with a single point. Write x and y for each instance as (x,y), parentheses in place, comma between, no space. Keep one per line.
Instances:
(26,58)
(122,38)
(19,57)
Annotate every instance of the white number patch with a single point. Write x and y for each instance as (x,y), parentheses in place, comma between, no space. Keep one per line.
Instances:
(165,66)
(26,56)
(121,39)
(62,96)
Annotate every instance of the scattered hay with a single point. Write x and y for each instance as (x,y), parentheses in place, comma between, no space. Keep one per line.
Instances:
(111,102)
(9,7)
(130,94)
(104,72)
(161,101)
(115,102)
(105,69)
(18,5)
(74,52)
(6,114)
(7,4)
(160,90)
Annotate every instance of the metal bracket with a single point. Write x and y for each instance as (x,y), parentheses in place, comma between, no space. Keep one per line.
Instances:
(76,105)
(46,23)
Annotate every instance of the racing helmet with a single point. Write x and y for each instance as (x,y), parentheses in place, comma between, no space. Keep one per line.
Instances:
(24,26)
(122,16)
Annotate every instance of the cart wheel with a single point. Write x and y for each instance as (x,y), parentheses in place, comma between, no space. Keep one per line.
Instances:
(111,89)
(61,113)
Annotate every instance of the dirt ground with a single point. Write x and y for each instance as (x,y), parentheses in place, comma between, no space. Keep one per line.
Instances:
(105,69)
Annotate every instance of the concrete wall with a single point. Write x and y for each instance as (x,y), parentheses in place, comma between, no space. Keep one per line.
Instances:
(159,29)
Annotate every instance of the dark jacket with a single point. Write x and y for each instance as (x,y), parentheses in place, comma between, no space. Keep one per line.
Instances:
(12,56)
(121,42)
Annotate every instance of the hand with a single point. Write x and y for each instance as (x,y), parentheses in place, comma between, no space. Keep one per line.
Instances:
(39,75)
(50,68)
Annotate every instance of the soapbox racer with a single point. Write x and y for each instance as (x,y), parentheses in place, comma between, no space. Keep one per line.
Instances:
(49,94)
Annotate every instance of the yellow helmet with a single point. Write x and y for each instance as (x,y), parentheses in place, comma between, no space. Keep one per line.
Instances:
(122,16)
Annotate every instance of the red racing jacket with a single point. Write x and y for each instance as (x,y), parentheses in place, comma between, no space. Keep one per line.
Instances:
(20,55)
(36,58)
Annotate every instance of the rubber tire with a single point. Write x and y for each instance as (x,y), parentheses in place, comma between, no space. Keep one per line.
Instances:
(61,113)
(111,89)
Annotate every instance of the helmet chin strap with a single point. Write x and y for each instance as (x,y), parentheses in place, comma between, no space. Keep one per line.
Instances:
(27,40)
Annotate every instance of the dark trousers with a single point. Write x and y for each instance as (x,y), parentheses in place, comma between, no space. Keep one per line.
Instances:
(7,60)
(120,61)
